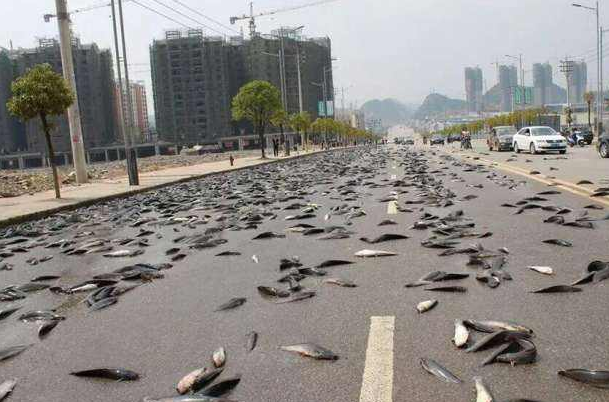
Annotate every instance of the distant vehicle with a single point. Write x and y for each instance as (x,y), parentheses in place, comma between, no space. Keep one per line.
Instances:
(576,138)
(603,145)
(408,141)
(453,138)
(501,138)
(437,140)
(537,139)
(586,134)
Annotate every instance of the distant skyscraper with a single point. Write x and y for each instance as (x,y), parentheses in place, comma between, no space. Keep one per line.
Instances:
(508,79)
(578,81)
(140,109)
(542,84)
(474,86)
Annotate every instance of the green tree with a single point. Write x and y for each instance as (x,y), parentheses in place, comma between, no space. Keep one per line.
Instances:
(301,123)
(43,93)
(281,119)
(258,102)
(589,98)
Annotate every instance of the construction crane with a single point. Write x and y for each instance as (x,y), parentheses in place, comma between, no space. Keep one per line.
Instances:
(252,17)
(47,17)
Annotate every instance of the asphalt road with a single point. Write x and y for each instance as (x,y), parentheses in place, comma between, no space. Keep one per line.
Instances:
(168,327)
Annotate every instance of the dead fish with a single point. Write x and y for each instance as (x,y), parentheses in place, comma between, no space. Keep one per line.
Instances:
(335,235)
(46,328)
(219,357)
(594,206)
(549,192)
(596,378)
(220,388)
(461,334)
(197,379)
(228,253)
(384,238)
(425,306)
(44,278)
(103,303)
(558,289)
(374,253)
(255,259)
(458,289)
(559,242)
(482,392)
(494,326)
(542,270)
(311,350)
(6,388)
(40,315)
(269,235)
(251,340)
(333,263)
(178,257)
(340,282)
(12,351)
(387,222)
(526,353)
(297,297)
(124,253)
(267,291)
(7,312)
(287,263)
(172,251)
(506,347)
(496,338)
(31,287)
(432,367)
(116,374)
(232,303)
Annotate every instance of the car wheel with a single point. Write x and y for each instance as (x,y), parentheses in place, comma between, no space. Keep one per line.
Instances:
(516,149)
(604,150)
(532,149)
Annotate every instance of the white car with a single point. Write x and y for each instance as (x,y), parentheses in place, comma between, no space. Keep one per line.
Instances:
(539,139)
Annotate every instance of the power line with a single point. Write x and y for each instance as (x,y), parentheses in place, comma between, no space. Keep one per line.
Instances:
(205,16)
(188,17)
(160,13)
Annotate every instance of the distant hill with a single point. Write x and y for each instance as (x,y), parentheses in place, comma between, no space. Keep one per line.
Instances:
(390,111)
(436,104)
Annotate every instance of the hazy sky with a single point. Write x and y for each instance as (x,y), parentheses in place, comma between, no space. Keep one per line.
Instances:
(386,48)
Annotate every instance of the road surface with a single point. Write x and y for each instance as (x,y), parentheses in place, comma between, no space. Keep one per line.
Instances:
(168,327)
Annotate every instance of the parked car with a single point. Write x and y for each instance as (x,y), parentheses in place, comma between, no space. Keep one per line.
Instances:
(603,145)
(537,139)
(437,140)
(501,138)
(453,138)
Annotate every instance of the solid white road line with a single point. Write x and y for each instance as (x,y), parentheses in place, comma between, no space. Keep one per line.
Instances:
(392,207)
(377,383)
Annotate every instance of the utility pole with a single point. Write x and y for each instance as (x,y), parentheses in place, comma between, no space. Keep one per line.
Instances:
(300,105)
(283,79)
(120,100)
(67,62)
(131,154)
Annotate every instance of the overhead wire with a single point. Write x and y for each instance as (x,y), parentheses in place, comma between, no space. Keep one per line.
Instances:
(204,16)
(188,17)
(160,13)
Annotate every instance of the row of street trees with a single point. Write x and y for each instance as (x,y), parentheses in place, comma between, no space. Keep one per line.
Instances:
(260,103)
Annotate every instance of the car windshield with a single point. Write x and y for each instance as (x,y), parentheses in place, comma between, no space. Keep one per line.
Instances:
(505,131)
(539,131)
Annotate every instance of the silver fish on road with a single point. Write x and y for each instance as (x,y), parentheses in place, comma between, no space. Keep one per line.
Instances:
(541,270)
(432,367)
(374,253)
(124,253)
(219,357)
(461,334)
(311,350)
(482,392)
(425,306)
(6,388)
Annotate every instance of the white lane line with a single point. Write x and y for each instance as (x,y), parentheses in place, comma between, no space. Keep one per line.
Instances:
(394,177)
(392,208)
(377,382)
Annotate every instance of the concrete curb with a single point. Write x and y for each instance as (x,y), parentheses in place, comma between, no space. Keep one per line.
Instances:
(565,185)
(48,212)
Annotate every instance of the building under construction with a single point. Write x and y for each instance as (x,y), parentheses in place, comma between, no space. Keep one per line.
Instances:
(94,84)
(195,77)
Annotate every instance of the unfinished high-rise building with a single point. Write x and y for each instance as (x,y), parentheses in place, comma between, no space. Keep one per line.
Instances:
(578,82)
(94,84)
(195,77)
(508,80)
(543,85)
(12,132)
(474,87)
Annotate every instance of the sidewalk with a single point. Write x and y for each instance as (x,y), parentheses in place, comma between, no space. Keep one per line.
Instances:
(38,205)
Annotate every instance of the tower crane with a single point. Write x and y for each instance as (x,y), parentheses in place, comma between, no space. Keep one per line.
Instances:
(47,17)
(252,17)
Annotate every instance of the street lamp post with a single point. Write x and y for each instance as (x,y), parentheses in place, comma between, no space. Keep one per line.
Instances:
(599,84)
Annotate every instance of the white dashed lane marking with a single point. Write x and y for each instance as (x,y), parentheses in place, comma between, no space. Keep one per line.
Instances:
(377,382)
